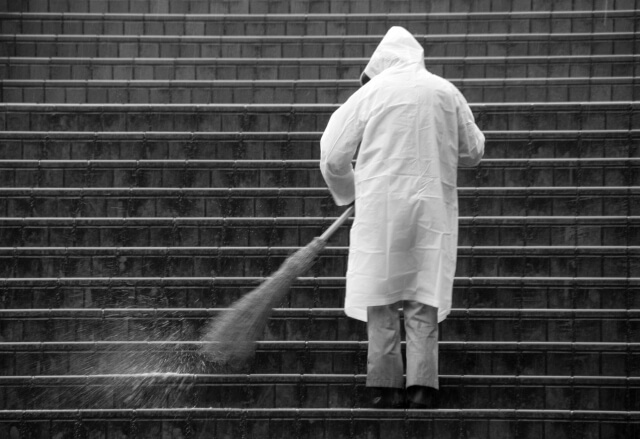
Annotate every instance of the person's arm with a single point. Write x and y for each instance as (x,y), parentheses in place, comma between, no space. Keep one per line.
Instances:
(337,148)
(470,138)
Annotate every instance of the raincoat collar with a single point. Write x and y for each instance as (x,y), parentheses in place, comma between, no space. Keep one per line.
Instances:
(398,49)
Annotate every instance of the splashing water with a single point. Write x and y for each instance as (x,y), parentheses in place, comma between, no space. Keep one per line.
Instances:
(156,372)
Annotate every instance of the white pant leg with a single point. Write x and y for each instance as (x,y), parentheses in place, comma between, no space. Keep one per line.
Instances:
(384,358)
(421,326)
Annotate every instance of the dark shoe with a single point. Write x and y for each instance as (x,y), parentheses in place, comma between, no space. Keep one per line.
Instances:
(422,397)
(387,398)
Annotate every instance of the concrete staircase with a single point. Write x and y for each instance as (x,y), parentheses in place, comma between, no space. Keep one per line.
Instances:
(159,158)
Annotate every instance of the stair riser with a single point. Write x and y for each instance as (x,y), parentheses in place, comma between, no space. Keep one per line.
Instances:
(591,297)
(254,149)
(320,329)
(159,265)
(241,236)
(125,394)
(302,6)
(305,25)
(452,362)
(617,45)
(318,428)
(180,69)
(300,94)
(292,119)
(517,204)
(512,175)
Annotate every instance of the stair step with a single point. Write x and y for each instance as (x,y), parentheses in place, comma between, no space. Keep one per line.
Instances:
(515,89)
(281,251)
(164,145)
(543,261)
(284,314)
(325,357)
(185,231)
(517,282)
(522,221)
(319,423)
(121,68)
(312,164)
(261,202)
(180,314)
(314,24)
(619,115)
(315,325)
(212,292)
(300,6)
(308,391)
(289,46)
(302,173)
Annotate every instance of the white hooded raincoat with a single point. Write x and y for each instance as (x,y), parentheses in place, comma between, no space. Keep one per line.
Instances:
(414,129)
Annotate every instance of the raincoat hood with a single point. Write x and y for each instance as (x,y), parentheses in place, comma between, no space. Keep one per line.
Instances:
(398,48)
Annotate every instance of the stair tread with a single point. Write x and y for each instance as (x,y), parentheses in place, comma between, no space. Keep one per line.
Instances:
(310,82)
(298,6)
(111,313)
(333,16)
(305,220)
(478,250)
(347,413)
(330,61)
(286,38)
(328,280)
(181,378)
(294,163)
(106,346)
(528,106)
(296,191)
(294,135)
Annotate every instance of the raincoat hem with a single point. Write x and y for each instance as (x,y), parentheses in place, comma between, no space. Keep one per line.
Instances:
(360,312)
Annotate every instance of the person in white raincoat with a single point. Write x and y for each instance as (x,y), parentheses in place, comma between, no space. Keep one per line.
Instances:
(413,129)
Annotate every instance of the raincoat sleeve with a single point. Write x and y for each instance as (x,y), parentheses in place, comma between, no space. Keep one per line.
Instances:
(337,148)
(470,138)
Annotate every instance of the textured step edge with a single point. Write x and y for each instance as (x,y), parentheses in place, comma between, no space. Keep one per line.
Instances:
(590,106)
(302,221)
(212,413)
(290,192)
(170,61)
(420,16)
(293,135)
(202,313)
(304,6)
(193,346)
(292,83)
(312,281)
(297,163)
(351,39)
(181,379)
(211,251)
